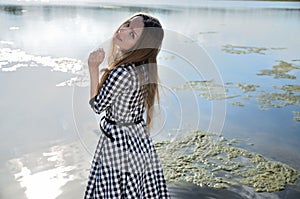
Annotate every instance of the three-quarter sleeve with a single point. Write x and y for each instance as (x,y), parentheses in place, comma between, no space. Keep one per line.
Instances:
(117,82)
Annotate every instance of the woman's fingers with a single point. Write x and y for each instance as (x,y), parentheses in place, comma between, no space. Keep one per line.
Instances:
(96,57)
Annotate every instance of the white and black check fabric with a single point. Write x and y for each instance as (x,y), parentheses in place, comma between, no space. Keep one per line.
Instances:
(127,166)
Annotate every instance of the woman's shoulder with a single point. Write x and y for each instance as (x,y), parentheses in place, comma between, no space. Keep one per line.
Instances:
(122,71)
(129,69)
(123,67)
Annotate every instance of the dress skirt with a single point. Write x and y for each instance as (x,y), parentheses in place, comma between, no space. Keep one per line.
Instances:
(126,167)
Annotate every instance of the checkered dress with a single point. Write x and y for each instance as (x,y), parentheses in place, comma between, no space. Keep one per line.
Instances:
(125,164)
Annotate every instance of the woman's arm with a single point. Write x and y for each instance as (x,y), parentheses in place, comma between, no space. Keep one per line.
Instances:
(94,60)
(94,82)
(117,82)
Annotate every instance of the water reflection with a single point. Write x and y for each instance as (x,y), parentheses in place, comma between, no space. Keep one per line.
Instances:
(42,176)
(191,191)
(60,41)
(14,10)
(50,13)
(14,59)
(283,95)
(181,190)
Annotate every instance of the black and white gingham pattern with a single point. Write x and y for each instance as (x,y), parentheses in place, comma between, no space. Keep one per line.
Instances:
(127,167)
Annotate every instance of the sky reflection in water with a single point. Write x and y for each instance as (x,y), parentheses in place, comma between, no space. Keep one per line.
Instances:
(36,40)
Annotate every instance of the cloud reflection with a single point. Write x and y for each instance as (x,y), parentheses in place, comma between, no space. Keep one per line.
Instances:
(14,59)
(38,181)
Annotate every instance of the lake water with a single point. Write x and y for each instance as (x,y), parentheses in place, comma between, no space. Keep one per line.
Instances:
(242,59)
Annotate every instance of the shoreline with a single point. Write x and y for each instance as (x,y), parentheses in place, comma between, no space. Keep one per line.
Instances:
(225,4)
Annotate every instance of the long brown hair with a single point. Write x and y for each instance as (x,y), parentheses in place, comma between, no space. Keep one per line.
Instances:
(145,50)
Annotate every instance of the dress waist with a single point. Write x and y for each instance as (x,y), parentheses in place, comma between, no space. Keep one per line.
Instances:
(122,123)
(117,123)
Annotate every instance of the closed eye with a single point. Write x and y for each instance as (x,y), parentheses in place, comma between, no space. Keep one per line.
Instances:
(127,24)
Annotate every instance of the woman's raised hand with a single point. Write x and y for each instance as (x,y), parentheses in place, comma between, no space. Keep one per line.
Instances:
(96,58)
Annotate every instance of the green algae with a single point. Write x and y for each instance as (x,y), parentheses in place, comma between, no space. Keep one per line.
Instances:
(277,100)
(210,90)
(289,88)
(268,176)
(237,103)
(296,116)
(295,60)
(202,85)
(289,96)
(280,70)
(296,113)
(207,89)
(286,95)
(283,95)
(207,159)
(247,87)
(234,49)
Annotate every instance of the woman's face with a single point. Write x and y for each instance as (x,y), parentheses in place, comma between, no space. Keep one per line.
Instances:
(129,33)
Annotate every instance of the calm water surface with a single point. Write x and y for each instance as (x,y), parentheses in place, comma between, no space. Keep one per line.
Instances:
(48,132)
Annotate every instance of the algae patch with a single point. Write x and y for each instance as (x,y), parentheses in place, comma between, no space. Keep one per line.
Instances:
(296,116)
(280,70)
(247,87)
(237,103)
(289,96)
(234,49)
(208,159)
(207,89)
(210,90)
(278,96)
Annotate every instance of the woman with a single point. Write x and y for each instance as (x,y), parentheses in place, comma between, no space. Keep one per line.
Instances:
(125,163)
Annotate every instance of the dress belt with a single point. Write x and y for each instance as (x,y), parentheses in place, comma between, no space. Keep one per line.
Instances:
(116,123)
